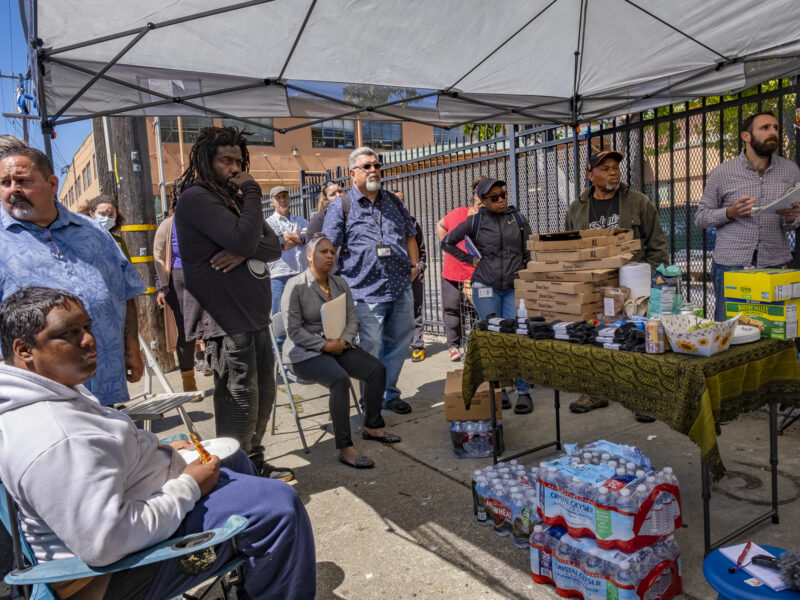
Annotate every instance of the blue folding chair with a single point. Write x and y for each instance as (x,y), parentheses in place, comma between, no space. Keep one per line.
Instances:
(34,577)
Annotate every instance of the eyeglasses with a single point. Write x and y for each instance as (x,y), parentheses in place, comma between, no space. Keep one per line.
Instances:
(495,198)
(369,166)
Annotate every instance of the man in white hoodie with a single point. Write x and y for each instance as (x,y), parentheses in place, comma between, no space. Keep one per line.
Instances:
(89,483)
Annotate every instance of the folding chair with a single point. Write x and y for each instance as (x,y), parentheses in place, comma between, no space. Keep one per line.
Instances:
(155,406)
(34,577)
(278,330)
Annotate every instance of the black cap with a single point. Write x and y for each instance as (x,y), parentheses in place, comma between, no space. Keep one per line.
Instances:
(487,184)
(598,156)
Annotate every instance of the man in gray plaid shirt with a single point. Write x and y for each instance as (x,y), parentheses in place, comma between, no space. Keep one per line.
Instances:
(754,178)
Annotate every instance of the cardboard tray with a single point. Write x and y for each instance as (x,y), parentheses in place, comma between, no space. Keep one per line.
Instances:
(614,262)
(586,253)
(606,276)
(583,238)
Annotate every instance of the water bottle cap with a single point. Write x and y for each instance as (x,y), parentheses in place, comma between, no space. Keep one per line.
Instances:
(650,479)
(631,465)
(625,565)
(620,471)
(625,492)
(641,489)
(605,456)
(603,490)
(537,528)
(576,480)
(640,473)
(667,470)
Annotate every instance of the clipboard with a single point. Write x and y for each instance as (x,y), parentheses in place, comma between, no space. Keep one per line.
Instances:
(334,317)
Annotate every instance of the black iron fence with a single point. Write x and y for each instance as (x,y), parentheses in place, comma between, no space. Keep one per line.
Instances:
(668,155)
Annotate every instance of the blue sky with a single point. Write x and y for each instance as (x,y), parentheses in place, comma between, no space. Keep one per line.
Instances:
(13,61)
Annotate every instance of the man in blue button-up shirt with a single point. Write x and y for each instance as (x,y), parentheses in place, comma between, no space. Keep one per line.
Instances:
(42,243)
(378,258)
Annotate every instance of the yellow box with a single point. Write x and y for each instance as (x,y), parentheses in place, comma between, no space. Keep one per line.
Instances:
(763,285)
(776,320)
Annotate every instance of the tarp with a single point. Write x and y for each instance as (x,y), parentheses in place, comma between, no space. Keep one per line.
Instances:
(434,61)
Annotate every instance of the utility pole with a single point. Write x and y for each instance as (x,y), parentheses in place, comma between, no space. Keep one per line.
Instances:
(128,179)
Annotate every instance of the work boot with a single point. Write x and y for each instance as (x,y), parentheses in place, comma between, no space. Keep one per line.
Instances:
(585,403)
(190,385)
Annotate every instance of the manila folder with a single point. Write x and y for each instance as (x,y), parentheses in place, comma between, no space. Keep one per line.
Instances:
(334,317)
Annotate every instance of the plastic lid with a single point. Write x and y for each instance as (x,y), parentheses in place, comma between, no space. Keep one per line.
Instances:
(537,528)
(625,565)
(620,471)
(641,489)
(603,490)
(631,465)
(640,473)
(667,470)
(605,456)
(624,492)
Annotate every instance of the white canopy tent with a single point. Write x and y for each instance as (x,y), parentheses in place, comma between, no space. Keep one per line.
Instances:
(431,61)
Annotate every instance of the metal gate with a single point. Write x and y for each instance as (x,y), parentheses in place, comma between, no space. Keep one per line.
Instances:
(668,155)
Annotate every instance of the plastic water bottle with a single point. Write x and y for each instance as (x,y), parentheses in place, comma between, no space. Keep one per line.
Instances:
(595,457)
(625,577)
(630,468)
(540,538)
(603,497)
(621,472)
(532,502)
(564,551)
(587,458)
(522,312)
(592,563)
(605,457)
(626,502)
(613,465)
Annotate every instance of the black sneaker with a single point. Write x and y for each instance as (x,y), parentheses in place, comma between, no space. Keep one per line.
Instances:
(401,407)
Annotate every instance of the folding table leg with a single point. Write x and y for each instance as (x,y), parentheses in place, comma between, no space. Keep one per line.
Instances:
(557,403)
(493,408)
(773,458)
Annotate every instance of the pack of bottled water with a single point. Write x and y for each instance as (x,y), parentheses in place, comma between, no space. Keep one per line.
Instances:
(608,492)
(505,499)
(473,439)
(578,566)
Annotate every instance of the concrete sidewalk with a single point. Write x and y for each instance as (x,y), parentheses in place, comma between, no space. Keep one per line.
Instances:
(405,528)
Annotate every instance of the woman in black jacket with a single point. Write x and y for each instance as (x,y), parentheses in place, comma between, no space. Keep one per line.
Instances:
(498,232)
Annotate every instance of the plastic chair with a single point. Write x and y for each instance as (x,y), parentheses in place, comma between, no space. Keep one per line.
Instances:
(35,577)
(278,330)
(155,406)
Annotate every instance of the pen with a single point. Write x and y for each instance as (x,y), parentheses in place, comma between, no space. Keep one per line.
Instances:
(742,556)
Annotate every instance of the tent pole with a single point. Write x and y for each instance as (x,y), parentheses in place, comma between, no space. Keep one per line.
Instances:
(575,159)
(47,126)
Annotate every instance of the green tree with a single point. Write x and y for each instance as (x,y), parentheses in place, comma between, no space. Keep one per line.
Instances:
(482,131)
(365,94)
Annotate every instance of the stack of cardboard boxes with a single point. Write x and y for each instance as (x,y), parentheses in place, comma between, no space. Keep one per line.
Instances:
(768,299)
(567,268)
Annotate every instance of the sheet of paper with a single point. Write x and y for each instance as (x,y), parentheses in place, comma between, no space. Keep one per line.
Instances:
(334,317)
(772,579)
(785,201)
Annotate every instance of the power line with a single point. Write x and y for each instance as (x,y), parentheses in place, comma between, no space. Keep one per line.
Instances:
(10,35)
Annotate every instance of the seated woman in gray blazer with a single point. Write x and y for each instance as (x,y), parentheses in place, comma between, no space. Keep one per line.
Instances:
(332,362)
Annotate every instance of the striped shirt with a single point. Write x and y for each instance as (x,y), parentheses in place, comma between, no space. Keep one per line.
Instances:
(739,239)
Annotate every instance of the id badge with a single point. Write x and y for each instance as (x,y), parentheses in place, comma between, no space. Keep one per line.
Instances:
(384,250)
(485,292)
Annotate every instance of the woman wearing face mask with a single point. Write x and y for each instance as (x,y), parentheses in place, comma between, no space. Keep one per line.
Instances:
(499,232)
(330,191)
(105,210)
(331,362)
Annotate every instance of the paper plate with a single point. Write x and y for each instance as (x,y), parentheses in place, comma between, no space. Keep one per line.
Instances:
(746,334)
(222,447)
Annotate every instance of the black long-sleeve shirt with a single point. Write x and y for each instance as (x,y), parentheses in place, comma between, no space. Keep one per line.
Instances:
(217,303)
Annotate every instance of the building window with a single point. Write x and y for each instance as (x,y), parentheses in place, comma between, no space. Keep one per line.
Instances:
(444,136)
(382,136)
(191,128)
(261,136)
(336,133)
(87,175)
(78,187)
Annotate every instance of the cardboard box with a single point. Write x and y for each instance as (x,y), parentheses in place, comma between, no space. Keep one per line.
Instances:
(552,315)
(583,238)
(579,298)
(480,408)
(764,285)
(594,275)
(777,320)
(570,305)
(586,254)
(614,262)
(567,287)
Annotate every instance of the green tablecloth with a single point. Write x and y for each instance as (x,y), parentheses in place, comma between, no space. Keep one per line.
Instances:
(691,394)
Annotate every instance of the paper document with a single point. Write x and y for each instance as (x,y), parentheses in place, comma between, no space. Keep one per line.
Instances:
(334,317)
(472,249)
(785,201)
(772,579)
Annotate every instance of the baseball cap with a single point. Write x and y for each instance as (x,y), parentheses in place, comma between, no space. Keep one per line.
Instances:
(277,190)
(595,158)
(487,184)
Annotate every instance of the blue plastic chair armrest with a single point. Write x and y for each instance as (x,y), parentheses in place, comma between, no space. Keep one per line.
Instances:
(73,568)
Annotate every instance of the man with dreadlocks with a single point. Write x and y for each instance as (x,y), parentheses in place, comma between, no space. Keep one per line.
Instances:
(225,245)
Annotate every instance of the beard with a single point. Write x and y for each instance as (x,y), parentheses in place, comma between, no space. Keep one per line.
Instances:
(765,148)
(21,208)
(611,187)
(373,185)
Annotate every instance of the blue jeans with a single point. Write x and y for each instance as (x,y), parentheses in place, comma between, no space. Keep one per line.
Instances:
(276,285)
(278,542)
(499,302)
(385,331)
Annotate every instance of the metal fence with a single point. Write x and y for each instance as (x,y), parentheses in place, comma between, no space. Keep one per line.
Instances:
(668,155)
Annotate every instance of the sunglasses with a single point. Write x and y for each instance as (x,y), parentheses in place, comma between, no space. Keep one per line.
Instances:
(369,166)
(495,198)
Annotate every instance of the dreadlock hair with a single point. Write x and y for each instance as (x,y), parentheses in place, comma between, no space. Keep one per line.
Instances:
(201,158)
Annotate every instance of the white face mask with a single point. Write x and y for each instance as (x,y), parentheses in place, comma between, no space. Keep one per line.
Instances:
(106,222)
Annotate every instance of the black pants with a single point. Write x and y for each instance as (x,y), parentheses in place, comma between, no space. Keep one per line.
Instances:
(183,347)
(334,373)
(417,287)
(244,385)
(453,317)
